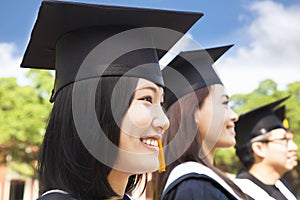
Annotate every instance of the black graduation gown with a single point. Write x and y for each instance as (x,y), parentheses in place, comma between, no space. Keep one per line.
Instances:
(57,196)
(272,190)
(196,186)
(62,196)
(192,180)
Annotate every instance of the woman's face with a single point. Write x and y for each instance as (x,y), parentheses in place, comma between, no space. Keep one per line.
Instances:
(215,120)
(141,128)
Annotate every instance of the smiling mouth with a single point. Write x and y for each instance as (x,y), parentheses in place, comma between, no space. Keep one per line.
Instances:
(231,129)
(150,142)
(293,157)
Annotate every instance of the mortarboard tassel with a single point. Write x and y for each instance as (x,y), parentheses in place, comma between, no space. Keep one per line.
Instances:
(161,158)
(285,123)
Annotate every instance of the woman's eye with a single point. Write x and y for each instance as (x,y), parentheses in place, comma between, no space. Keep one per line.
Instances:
(149,99)
(226,102)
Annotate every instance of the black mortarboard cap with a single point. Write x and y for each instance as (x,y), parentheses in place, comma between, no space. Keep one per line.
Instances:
(66,32)
(257,122)
(281,114)
(190,71)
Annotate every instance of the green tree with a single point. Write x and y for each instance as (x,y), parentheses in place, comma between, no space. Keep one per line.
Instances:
(24,111)
(266,92)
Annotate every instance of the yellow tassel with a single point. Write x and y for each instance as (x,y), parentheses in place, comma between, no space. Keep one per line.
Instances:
(286,123)
(161,158)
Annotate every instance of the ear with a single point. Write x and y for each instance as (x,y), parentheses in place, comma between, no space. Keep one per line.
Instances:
(197,115)
(259,149)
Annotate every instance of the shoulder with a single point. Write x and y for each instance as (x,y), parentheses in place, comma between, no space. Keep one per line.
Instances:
(244,175)
(57,196)
(195,186)
(127,197)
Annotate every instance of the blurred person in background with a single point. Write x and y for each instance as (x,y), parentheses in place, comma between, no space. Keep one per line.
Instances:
(267,149)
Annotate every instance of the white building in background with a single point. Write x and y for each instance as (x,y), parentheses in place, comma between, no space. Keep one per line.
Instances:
(14,186)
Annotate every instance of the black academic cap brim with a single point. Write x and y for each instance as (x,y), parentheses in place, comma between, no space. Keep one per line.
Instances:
(217,52)
(263,119)
(190,71)
(210,53)
(280,112)
(56,18)
(269,106)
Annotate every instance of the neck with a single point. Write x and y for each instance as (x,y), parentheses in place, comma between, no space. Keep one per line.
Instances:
(118,181)
(208,155)
(259,171)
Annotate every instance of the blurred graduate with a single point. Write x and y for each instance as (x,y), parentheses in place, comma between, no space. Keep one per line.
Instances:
(266,147)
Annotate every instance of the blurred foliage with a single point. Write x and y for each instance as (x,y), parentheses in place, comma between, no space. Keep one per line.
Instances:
(24,111)
(266,92)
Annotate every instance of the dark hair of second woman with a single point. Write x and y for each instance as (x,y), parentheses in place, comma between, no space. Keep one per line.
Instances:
(64,162)
(182,122)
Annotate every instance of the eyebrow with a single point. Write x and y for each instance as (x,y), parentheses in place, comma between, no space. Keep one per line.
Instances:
(225,95)
(154,89)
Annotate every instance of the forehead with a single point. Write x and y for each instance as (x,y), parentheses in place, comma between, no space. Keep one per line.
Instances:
(278,132)
(218,90)
(289,133)
(144,83)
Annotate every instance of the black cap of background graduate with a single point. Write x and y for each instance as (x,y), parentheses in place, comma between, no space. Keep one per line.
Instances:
(254,123)
(66,32)
(281,114)
(257,122)
(189,71)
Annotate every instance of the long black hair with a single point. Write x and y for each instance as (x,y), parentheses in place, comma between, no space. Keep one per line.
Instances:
(182,123)
(64,161)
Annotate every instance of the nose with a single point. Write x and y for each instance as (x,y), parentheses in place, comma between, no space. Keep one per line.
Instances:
(160,119)
(233,116)
(292,146)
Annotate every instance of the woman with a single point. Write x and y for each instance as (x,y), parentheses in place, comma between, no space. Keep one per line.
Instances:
(107,117)
(200,122)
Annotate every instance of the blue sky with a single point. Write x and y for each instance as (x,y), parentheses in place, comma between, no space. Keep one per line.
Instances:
(266,35)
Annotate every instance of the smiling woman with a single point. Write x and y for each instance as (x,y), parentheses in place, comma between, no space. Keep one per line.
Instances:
(107,117)
(141,128)
(200,122)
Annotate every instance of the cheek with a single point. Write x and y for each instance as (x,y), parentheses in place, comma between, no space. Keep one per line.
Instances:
(139,116)
(204,121)
(220,118)
(219,113)
(217,116)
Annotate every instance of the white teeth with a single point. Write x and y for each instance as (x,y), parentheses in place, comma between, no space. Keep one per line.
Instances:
(151,142)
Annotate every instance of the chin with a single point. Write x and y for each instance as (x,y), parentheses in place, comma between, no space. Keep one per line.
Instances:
(154,167)
(233,143)
(292,164)
(146,166)
(137,163)
(291,167)
(229,143)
